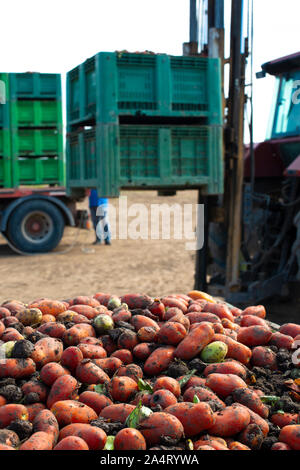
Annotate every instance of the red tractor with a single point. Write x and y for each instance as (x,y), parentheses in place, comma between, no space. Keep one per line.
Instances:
(270,245)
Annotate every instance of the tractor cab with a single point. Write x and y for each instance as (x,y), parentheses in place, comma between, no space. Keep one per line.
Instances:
(269,254)
(275,157)
(285,115)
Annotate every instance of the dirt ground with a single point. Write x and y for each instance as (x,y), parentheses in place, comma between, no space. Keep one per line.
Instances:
(77,267)
(155,267)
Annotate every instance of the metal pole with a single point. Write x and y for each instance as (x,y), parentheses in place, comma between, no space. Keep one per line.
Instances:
(202,254)
(234,151)
(215,19)
(216,14)
(216,35)
(193,21)
(191,47)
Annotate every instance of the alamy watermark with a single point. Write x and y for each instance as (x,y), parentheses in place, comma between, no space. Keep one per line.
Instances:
(154,222)
(2,92)
(296,94)
(296,354)
(2,352)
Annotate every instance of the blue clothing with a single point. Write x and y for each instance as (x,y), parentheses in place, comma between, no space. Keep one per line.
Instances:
(101,225)
(99,218)
(95,201)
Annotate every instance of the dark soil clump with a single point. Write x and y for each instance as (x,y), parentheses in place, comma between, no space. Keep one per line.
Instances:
(198,365)
(22,349)
(287,404)
(31,397)
(144,312)
(229,400)
(7,435)
(125,325)
(273,430)
(36,336)
(110,428)
(115,333)
(270,382)
(268,442)
(22,428)
(7,381)
(176,369)
(215,406)
(11,393)
(18,326)
(168,441)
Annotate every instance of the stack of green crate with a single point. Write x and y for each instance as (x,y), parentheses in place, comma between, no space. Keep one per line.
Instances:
(144,121)
(36,129)
(31,139)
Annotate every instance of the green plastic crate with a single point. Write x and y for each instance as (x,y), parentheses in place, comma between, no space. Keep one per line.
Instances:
(35,171)
(92,159)
(35,85)
(164,156)
(4,97)
(4,142)
(5,159)
(36,142)
(111,158)
(2,177)
(36,113)
(31,130)
(112,84)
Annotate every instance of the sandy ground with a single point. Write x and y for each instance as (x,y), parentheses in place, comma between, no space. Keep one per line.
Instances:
(155,267)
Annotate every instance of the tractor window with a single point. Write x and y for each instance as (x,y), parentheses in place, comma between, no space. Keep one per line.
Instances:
(287,110)
(273,110)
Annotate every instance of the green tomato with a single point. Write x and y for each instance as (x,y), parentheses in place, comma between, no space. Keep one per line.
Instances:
(8,347)
(214,352)
(103,323)
(114,302)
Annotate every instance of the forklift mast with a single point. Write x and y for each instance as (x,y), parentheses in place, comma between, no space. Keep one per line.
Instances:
(230,204)
(252,232)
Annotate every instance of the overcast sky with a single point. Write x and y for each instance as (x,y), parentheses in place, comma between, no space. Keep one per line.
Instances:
(57,35)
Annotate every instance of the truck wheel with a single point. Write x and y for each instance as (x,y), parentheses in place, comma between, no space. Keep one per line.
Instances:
(35,227)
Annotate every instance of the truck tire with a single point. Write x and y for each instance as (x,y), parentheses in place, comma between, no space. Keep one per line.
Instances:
(35,226)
